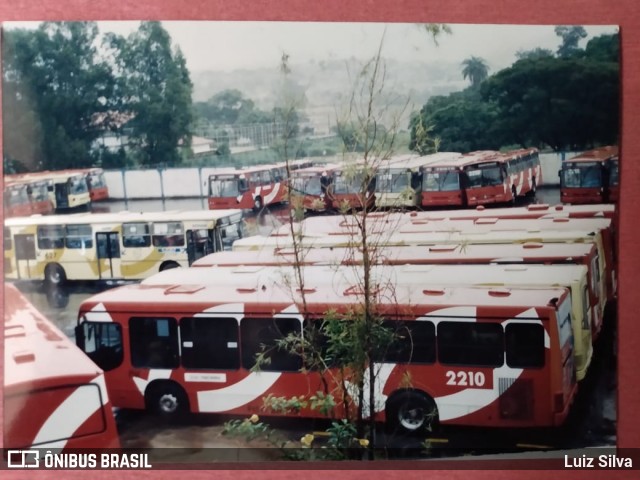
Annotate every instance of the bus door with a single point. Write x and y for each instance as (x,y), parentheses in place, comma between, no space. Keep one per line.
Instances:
(25,251)
(199,244)
(62,195)
(108,253)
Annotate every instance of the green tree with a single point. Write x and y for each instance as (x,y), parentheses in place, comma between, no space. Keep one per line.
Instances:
(475,69)
(228,107)
(571,36)
(56,93)
(564,103)
(534,54)
(156,90)
(604,48)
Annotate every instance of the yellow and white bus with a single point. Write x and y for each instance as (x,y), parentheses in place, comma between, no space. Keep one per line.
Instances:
(109,246)
(399,179)
(68,189)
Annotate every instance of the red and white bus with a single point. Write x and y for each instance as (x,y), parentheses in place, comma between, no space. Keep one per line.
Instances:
(250,188)
(487,357)
(54,396)
(590,177)
(481,178)
(98,189)
(310,187)
(353,186)
(26,197)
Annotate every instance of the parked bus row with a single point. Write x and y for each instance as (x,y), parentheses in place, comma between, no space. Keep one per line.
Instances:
(49,191)
(113,246)
(441,179)
(479,345)
(54,396)
(591,177)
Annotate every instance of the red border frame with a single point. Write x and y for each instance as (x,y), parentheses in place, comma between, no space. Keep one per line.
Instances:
(624,13)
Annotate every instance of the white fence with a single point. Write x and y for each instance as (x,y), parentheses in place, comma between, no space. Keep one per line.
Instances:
(192,182)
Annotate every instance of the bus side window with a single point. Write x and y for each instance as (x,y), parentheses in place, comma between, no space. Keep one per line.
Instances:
(210,343)
(471,343)
(259,335)
(78,236)
(412,342)
(135,235)
(243,186)
(50,237)
(102,342)
(416,180)
(153,342)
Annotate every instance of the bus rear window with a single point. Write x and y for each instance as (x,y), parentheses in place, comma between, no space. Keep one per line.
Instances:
(525,345)
(135,235)
(50,237)
(471,343)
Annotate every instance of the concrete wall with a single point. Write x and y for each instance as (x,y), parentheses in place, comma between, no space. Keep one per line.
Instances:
(550,163)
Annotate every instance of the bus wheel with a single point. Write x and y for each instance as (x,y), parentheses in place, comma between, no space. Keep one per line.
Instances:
(411,412)
(168,265)
(257,204)
(54,274)
(513,195)
(167,399)
(533,185)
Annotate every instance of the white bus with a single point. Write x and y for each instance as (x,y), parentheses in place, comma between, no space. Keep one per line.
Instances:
(109,246)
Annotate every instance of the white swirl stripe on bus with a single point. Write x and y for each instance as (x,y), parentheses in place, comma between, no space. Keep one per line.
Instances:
(270,196)
(154,374)
(68,417)
(98,314)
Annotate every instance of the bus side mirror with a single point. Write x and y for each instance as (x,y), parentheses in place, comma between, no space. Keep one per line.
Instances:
(79,331)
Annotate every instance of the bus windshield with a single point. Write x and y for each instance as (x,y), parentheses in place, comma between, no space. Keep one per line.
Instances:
(390,182)
(224,187)
(77,185)
(307,185)
(96,180)
(586,176)
(484,177)
(446,181)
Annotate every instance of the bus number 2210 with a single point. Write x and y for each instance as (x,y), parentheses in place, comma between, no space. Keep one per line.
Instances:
(465,379)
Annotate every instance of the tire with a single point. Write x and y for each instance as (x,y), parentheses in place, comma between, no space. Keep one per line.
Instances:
(533,185)
(54,274)
(257,204)
(411,412)
(513,196)
(167,400)
(169,265)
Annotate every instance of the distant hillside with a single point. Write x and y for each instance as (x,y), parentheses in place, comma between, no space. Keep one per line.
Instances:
(328,84)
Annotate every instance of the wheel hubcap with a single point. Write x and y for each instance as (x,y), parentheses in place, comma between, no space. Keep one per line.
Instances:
(411,418)
(168,403)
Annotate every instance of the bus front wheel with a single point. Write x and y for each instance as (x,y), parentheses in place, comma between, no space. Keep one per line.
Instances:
(167,399)
(411,412)
(54,274)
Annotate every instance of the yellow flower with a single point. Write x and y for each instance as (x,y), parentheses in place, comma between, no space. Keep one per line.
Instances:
(307,440)
(254,418)
(363,442)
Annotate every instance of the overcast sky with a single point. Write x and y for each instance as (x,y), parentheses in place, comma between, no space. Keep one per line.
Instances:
(234,45)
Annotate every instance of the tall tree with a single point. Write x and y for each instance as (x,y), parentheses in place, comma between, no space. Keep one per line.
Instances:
(156,90)
(56,89)
(475,69)
(571,36)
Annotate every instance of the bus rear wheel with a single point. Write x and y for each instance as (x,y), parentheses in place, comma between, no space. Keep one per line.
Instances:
(257,204)
(167,400)
(54,274)
(411,412)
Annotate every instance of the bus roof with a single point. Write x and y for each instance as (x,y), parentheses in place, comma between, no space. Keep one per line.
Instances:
(35,350)
(536,210)
(243,171)
(312,171)
(270,293)
(411,162)
(485,253)
(416,275)
(125,216)
(596,155)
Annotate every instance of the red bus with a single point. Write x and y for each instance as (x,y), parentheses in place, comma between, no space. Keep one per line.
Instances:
(591,177)
(353,187)
(480,178)
(98,189)
(26,197)
(54,396)
(250,188)
(487,357)
(311,187)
